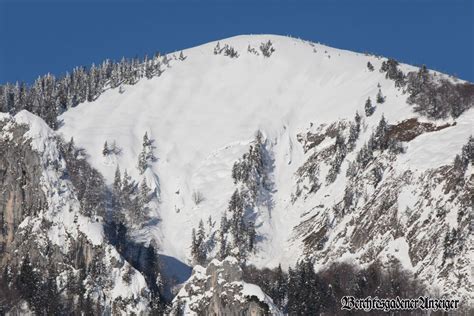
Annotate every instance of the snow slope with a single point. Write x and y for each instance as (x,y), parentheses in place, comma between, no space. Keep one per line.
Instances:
(203,112)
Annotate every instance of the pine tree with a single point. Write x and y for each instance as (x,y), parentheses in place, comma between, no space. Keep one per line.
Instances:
(142,162)
(251,233)
(236,172)
(146,156)
(201,234)
(380,97)
(105,151)
(117,190)
(370,66)
(339,155)
(380,138)
(295,291)
(194,246)
(236,222)
(230,51)
(354,132)
(198,245)
(364,156)
(181,56)
(127,183)
(70,145)
(217,49)
(51,302)
(117,181)
(267,48)
(146,140)
(369,109)
(281,288)
(28,282)
(223,250)
(467,153)
(357,120)
(144,193)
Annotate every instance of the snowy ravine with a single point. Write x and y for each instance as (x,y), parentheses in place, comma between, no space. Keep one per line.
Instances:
(314,190)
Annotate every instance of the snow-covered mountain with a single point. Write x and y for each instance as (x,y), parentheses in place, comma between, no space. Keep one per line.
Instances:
(269,150)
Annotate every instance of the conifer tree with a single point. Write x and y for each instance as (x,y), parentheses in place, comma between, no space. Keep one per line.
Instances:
(28,282)
(194,246)
(223,249)
(281,288)
(201,234)
(370,66)
(70,145)
(354,131)
(267,48)
(380,97)
(251,233)
(369,109)
(146,156)
(380,138)
(339,155)
(201,251)
(217,49)
(105,151)
(117,187)
(144,193)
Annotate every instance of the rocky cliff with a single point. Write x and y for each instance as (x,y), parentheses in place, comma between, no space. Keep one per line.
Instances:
(46,236)
(219,289)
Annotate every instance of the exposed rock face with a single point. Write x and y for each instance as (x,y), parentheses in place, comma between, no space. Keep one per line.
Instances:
(41,219)
(390,211)
(20,194)
(409,129)
(219,290)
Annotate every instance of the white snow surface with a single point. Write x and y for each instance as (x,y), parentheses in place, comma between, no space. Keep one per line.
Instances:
(203,113)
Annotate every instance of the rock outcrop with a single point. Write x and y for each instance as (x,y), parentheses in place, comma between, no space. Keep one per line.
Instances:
(218,289)
(44,232)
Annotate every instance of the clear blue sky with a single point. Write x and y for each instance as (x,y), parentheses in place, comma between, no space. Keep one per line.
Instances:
(39,36)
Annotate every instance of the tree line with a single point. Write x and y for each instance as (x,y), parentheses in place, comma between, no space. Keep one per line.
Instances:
(49,96)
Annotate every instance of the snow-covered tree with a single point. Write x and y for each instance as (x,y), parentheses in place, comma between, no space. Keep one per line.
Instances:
(369,109)
(230,51)
(217,49)
(390,67)
(354,131)
(105,150)
(267,48)
(198,244)
(380,137)
(117,188)
(380,98)
(370,66)
(146,156)
(252,50)
(340,152)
